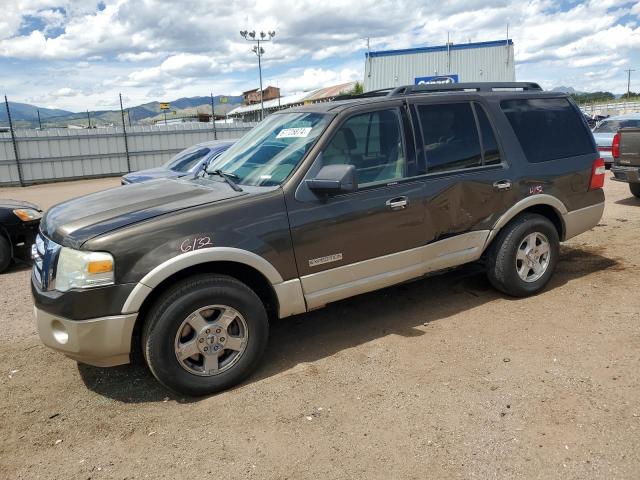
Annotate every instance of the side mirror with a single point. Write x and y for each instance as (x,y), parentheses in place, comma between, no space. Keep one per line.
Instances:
(334,179)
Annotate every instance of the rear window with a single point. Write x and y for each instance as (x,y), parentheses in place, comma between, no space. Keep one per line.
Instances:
(548,128)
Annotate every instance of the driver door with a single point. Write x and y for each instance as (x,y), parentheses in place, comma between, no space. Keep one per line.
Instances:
(355,242)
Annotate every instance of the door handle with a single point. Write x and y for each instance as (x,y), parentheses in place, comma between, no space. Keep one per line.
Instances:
(397,203)
(502,185)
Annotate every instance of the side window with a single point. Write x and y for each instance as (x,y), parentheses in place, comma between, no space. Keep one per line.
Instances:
(491,153)
(450,136)
(548,128)
(372,142)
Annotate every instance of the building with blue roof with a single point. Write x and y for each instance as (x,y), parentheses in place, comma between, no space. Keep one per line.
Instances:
(451,63)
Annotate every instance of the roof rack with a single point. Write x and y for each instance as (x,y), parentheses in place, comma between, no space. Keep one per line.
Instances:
(383,92)
(463,87)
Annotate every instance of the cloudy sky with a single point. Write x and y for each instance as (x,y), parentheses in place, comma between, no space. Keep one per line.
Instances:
(78,54)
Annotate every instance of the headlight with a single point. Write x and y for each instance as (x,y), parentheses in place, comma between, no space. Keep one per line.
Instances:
(27,214)
(79,269)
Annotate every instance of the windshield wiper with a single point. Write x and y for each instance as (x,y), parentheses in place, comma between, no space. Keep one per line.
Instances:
(227,177)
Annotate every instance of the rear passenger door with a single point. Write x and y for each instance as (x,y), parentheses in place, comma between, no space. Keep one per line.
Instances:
(467,181)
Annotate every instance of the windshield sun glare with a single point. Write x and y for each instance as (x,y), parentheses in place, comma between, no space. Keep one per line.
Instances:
(268,154)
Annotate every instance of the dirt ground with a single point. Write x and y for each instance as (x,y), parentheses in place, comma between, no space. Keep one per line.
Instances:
(440,378)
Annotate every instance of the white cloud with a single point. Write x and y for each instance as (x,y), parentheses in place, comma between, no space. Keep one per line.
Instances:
(65,92)
(312,78)
(143,47)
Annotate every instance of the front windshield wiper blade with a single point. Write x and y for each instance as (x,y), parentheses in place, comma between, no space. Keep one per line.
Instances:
(227,178)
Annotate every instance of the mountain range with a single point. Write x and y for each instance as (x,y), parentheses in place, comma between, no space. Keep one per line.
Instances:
(25,115)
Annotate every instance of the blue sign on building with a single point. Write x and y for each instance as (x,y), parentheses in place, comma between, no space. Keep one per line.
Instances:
(453,78)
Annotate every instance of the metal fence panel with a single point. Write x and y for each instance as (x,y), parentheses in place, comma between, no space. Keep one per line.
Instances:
(64,154)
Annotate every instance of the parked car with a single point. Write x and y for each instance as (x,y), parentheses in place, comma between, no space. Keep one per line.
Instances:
(190,160)
(626,158)
(316,204)
(18,228)
(606,129)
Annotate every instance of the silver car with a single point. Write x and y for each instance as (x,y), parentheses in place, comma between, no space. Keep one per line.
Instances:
(605,130)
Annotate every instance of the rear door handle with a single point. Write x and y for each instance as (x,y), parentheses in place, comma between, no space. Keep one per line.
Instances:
(397,203)
(502,185)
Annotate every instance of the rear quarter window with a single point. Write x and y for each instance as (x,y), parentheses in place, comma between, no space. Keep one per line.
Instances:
(548,128)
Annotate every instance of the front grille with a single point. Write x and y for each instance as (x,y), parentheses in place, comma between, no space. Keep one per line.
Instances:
(45,258)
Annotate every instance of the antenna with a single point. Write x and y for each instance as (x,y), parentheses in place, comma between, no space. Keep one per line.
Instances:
(448,54)
(506,44)
(369,56)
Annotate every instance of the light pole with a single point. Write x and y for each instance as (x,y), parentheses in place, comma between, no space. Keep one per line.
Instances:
(259,51)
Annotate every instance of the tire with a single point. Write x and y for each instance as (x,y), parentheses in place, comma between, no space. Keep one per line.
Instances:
(635,189)
(5,253)
(190,301)
(506,255)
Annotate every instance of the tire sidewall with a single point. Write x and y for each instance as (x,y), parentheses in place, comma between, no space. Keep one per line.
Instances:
(519,233)
(635,189)
(160,343)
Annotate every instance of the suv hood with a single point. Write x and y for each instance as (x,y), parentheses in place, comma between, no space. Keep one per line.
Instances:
(74,222)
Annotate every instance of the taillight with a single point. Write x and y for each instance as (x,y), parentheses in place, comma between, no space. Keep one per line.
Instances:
(615,146)
(597,175)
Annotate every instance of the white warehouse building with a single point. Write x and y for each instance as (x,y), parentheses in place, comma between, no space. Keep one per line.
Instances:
(451,63)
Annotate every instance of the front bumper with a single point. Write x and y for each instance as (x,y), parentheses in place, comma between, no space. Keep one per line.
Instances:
(103,342)
(626,174)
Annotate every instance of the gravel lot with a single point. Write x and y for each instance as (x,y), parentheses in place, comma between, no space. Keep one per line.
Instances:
(439,378)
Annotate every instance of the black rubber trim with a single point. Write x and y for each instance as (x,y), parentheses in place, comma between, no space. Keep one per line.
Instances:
(82,304)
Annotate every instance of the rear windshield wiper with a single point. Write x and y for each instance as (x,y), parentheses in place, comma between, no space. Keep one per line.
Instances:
(227,177)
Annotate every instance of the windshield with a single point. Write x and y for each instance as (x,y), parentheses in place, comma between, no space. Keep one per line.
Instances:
(612,126)
(187,159)
(269,153)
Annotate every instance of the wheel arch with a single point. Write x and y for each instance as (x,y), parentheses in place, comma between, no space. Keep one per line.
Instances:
(545,205)
(5,233)
(242,272)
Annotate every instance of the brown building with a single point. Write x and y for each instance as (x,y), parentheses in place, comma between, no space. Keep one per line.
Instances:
(253,96)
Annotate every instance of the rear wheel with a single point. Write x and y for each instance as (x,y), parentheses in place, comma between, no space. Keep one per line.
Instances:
(205,334)
(5,253)
(635,189)
(523,256)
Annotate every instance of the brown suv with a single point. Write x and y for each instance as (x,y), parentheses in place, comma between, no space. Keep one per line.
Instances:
(314,205)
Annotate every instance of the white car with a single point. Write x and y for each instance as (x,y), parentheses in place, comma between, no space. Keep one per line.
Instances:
(605,130)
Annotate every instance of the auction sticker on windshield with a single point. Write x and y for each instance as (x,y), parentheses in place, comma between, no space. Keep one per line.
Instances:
(301,132)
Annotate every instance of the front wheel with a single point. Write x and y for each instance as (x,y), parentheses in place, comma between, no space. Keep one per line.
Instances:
(635,189)
(523,256)
(205,334)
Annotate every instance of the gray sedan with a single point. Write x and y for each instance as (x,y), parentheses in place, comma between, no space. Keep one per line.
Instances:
(605,130)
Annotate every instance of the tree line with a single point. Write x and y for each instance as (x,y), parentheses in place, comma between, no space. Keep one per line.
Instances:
(600,97)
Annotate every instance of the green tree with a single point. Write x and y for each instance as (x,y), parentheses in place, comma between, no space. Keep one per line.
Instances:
(630,96)
(593,97)
(358,89)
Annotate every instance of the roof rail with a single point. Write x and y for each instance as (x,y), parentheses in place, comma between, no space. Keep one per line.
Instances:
(463,87)
(383,92)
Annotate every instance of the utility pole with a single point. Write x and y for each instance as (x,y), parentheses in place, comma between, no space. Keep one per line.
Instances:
(629,82)
(39,121)
(213,118)
(15,142)
(259,51)
(124,131)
